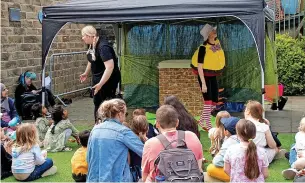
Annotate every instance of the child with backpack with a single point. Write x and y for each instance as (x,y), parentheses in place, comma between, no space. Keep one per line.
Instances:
(246,162)
(29,162)
(78,161)
(216,170)
(217,135)
(182,148)
(60,131)
(42,123)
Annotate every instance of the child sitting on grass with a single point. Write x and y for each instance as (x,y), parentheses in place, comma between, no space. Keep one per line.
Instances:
(152,131)
(78,161)
(60,131)
(246,162)
(6,158)
(217,135)
(42,123)
(297,154)
(29,162)
(139,126)
(216,170)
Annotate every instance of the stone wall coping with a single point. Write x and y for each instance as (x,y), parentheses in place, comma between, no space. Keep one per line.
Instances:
(174,64)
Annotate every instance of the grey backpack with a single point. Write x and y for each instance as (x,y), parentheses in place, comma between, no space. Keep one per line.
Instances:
(177,164)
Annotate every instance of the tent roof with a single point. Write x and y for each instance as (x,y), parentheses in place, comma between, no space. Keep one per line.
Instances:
(145,10)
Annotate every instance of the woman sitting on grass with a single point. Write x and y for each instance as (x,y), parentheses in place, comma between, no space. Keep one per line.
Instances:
(60,131)
(186,121)
(109,143)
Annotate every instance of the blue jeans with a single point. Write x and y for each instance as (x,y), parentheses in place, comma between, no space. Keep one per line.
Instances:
(40,169)
(292,155)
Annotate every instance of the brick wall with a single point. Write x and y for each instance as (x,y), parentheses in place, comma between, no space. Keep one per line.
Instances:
(21,48)
(184,85)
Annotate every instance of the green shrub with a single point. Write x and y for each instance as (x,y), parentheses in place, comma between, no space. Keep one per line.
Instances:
(291,64)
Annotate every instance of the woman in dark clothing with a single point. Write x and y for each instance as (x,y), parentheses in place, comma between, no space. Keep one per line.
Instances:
(103,63)
(186,121)
(25,85)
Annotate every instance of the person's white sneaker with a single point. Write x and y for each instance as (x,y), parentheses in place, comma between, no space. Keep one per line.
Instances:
(280,154)
(51,171)
(289,173)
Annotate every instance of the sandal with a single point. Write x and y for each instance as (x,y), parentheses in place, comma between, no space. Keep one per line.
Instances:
(67,149)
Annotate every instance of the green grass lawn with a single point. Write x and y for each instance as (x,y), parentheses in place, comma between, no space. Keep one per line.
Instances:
(63,160)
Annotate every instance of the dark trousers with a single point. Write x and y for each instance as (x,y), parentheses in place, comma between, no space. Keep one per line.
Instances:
(277,141)
(79,177)
(106,92)
(6,163)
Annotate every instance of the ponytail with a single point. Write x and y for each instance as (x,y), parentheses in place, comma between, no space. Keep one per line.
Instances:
(57,114)
(53,129)
(251,164)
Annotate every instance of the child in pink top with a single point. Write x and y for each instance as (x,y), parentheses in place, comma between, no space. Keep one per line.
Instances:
(245,162)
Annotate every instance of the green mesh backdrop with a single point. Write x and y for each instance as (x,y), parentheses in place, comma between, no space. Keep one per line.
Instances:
(146,45)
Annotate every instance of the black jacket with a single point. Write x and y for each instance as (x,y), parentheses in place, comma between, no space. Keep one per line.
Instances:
(20,90)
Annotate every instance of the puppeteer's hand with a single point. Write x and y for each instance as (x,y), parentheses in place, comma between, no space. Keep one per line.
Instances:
(83,77)
(204,88)
(97,88)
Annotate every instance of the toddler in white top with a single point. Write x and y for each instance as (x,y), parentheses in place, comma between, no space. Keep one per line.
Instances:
(300,147)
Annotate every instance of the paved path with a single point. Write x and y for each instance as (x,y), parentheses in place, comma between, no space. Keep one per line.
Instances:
(81,112)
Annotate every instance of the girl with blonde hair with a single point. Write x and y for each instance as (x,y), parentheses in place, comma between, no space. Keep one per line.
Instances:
(217,135)
(29,162)
(103,63)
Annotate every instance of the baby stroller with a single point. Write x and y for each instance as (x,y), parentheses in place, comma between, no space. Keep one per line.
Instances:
(28,100)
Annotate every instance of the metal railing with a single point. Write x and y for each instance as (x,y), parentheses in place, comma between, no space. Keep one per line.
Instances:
(51,69)
(289,16)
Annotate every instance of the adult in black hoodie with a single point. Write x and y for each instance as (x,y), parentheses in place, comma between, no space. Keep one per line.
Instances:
(25,85)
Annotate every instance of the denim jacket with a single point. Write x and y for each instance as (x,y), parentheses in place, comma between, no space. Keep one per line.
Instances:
(108,150)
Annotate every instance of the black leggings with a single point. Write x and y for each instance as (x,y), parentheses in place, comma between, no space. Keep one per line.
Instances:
(212,88)
(277,141)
